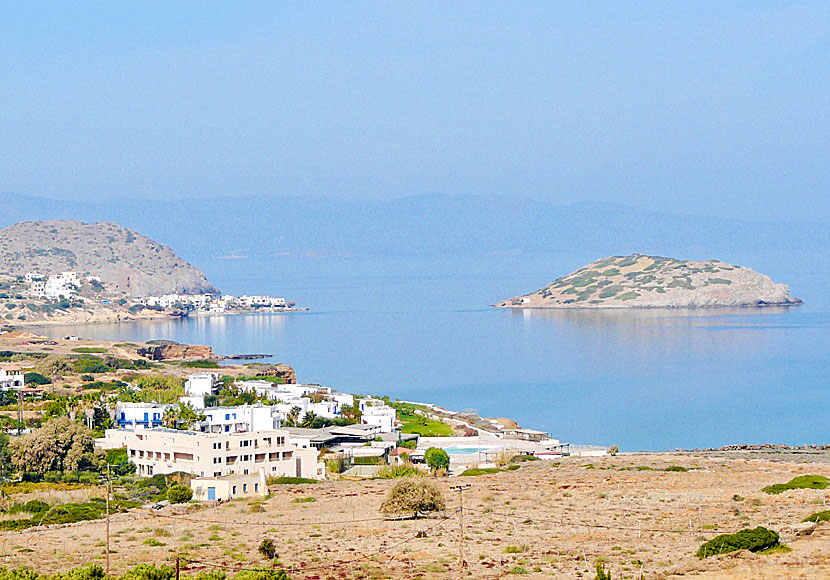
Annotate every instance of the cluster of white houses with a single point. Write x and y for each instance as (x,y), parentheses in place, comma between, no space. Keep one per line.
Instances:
(215,303)
(233,449)
(56,286)
(286,400)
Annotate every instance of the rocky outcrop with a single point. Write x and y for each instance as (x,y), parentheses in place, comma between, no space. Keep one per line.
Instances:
(285,372)
(125,261)
(639,281)
(157,352)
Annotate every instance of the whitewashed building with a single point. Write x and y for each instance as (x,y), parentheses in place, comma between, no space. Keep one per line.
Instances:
(11,377)
(139,415)
(160,450)
(202,384)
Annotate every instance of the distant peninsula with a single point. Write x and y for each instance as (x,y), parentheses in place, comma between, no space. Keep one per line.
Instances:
(122,260)
(640,281)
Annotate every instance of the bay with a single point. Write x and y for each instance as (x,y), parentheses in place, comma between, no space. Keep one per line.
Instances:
(422,329)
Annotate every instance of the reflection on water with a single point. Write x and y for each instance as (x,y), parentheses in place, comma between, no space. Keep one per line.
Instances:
(647,316)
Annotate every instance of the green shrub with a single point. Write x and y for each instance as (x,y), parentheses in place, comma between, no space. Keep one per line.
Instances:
(515,549)
(275,574)
(800,482)
(602,573)
(202,364)
(268,548)
(89,349)
(754,540)
(822,516)
(678,468)
(150,572)
(399,470)
(34,506)
(436,458)
(475,471)
(179,493)
(36,379)
(285,480)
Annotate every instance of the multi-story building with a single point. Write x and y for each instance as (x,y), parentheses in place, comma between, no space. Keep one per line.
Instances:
(161,450)
(139,415)
(202,384)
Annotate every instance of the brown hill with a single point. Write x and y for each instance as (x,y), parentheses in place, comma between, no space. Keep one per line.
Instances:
(126,261)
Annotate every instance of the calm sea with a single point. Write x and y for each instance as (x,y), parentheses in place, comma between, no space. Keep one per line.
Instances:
(423,330)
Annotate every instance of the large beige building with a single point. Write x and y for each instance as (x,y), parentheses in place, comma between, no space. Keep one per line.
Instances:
(162,450)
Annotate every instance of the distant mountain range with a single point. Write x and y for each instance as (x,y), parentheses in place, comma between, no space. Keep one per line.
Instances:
(423,225)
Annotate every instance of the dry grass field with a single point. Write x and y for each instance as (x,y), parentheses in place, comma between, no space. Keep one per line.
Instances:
(540,521)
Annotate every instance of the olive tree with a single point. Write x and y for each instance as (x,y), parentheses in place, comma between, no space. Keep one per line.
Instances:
(60,445)
(414,497)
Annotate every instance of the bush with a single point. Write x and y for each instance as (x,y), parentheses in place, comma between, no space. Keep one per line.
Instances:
(284,479)
(436,459)
(268,548)
(179,493)
(399,470)
(413,497)
(754,540)
(602,573)
(800,482)
(36,379)
(822,516)
(276,574)
(150,572)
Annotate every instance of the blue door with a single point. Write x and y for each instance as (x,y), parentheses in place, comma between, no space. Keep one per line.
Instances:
(211,494)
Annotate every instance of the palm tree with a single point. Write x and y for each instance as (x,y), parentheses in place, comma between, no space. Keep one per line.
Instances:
(309,419)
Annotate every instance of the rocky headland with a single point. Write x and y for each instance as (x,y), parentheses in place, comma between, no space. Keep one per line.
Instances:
(126,262)
(640,281)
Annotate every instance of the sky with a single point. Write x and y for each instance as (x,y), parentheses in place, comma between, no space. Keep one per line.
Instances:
(716,108)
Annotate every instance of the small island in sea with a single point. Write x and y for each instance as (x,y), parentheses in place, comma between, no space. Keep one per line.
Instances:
(640,281)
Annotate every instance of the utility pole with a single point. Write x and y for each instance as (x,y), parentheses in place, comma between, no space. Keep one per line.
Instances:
(108,519)
(460,489)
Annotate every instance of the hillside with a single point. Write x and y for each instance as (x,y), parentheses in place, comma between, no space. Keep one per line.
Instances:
(639,281)
(126,261)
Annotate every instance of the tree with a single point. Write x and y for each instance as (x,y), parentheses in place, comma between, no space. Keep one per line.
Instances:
(436,459)
(308,419)
(60,445)
(414,497)
(178,493)
(181,416)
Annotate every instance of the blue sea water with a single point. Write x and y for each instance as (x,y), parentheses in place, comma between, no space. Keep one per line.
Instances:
(641,379)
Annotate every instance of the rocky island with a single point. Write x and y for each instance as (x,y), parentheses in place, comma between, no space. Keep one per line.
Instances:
(640,281)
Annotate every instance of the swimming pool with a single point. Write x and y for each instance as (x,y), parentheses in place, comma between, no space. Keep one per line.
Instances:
(465,450)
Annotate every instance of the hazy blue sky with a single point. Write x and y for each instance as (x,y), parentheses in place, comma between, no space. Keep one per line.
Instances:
(705,107)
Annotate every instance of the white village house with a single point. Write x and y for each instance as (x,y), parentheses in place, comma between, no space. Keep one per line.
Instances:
(11,377)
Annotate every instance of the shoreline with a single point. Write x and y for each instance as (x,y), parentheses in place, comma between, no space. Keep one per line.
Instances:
(21,325)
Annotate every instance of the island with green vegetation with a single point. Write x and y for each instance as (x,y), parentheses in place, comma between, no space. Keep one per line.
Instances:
(640,281)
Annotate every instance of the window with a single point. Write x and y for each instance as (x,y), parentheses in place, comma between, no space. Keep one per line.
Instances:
(244,488)
(256,488)
(234,490)
(228,417)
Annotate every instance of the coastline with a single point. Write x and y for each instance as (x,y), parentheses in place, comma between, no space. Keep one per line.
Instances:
(130,317)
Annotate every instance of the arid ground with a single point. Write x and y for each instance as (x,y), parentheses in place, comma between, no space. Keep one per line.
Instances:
(543,520)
